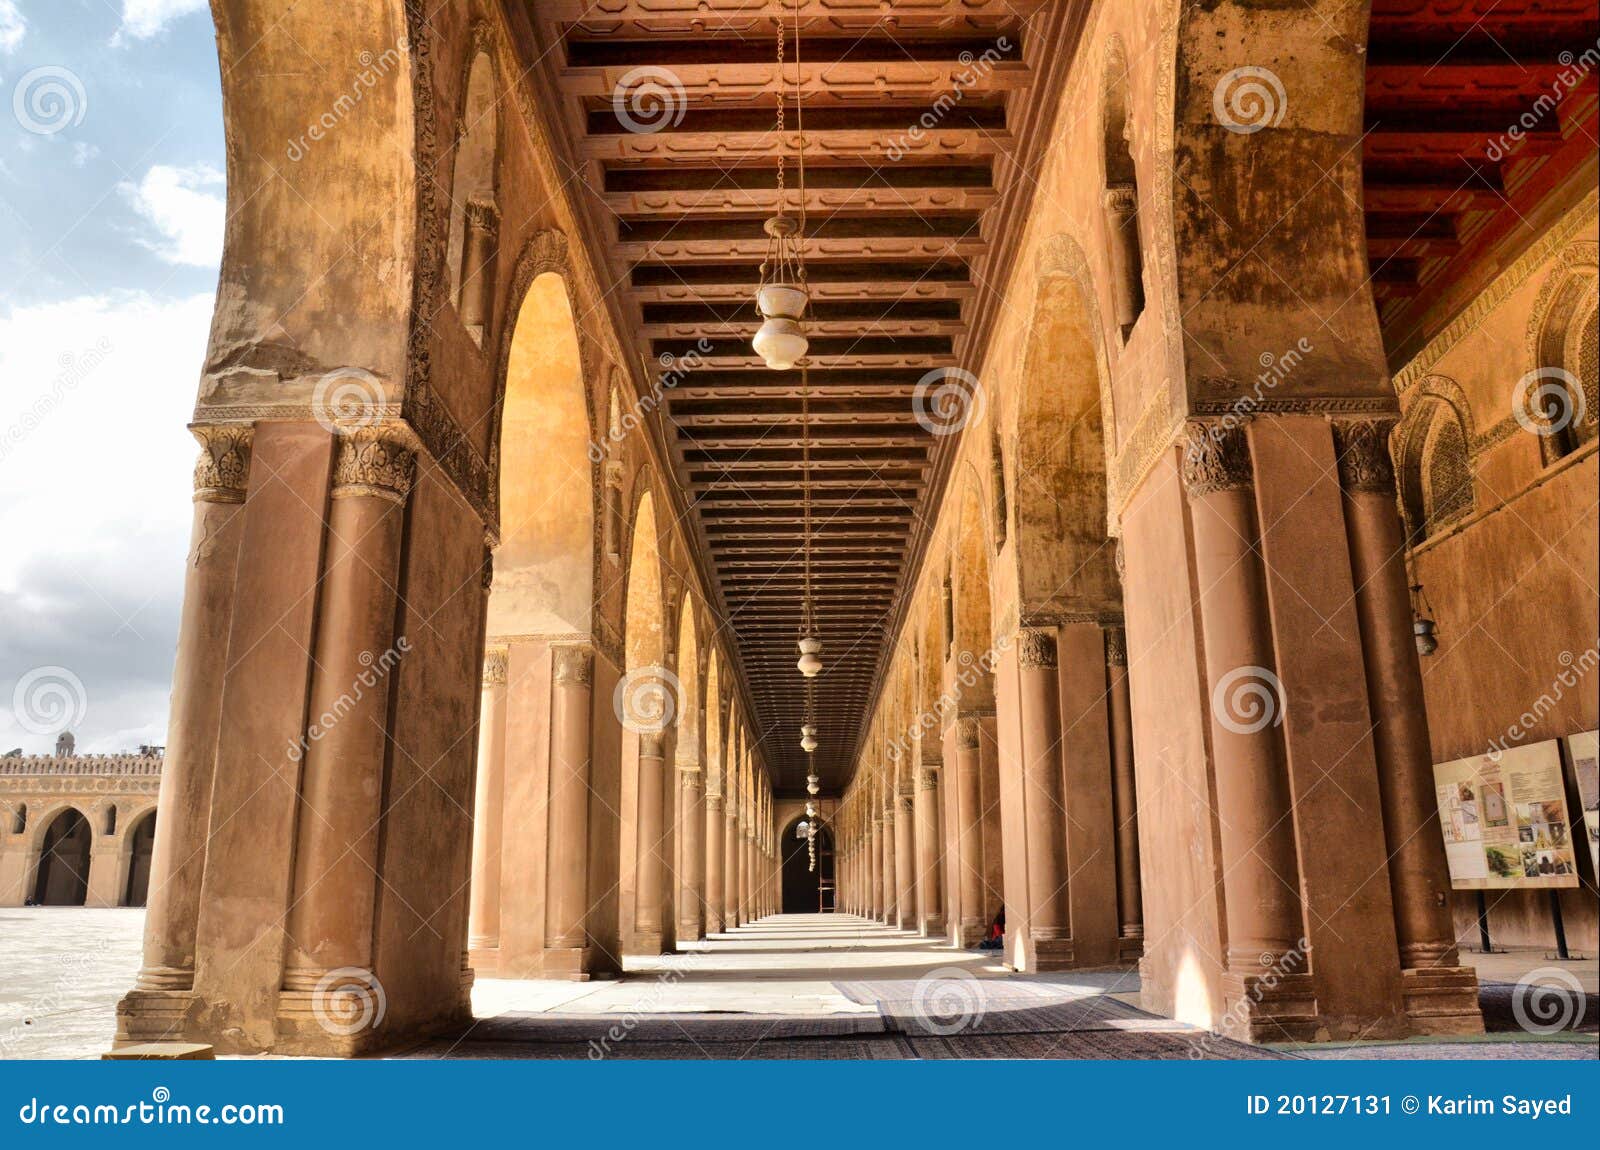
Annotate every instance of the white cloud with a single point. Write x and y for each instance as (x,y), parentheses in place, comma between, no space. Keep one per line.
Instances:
(189,218)
(95,482)
(12,25)
(142,19)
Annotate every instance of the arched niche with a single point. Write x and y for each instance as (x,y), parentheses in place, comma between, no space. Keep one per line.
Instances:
(474,208)
(138,851)
(544,565)
(62,875)
(1065,562)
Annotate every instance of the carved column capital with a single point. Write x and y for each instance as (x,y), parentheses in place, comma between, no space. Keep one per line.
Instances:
(494,666)
(1363,449)
(1036,647)
(1116,647)
(1121,200)
(1216,457)
(222,471)
(373,461)
(574,664)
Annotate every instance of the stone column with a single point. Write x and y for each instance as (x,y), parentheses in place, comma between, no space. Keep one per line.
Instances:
(905,859)
(891,881)
(1441,996)
(1121,203)
(567,950)
(1048,945)
(651,873)
(1254,816)
(483,935)
(1130,912)
(714,856)
(334,905)
(732,846)
(692,882)
(930,896)
(969,833)
(178,862)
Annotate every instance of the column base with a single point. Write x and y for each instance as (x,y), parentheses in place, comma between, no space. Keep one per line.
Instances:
(573,964)
(968,933)
(1442,1000)
(152,1016)
(1051,954)
(1270,1008)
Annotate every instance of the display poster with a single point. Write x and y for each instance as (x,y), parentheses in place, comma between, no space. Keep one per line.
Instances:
(1584,751)
(1505,819)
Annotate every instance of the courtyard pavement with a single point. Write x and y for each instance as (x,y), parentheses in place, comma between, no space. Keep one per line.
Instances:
(798,986)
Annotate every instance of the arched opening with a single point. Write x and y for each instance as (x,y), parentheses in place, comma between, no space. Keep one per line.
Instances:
(980,867)
(806,891)
(1435,469)
(543,578)
(647,700)
(141,844)
(1567,398)
(1121,194)
(541,597)
(63,875)
(474,212)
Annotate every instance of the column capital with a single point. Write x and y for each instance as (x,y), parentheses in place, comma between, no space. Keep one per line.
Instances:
(494,665)
(1116,647)
(1362,446)
(1121,199)
(222,471)
(1036,647)
(1216,456)
(574,663)
(374,461)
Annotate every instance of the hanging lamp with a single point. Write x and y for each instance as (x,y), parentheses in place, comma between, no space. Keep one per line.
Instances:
(782,296)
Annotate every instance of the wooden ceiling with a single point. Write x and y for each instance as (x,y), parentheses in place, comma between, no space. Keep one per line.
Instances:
(1445,187)
(904,237)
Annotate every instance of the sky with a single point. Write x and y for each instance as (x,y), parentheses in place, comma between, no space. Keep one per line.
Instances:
(111,218)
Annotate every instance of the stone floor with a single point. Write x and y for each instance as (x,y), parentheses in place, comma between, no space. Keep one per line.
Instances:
(802,986)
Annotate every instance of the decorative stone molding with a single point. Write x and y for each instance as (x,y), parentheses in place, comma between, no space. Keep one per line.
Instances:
(374,461)
(222,472)
(574,664)
(1036,648)
(494,666)
(1216,457)
(1363,449)
(1116,647)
